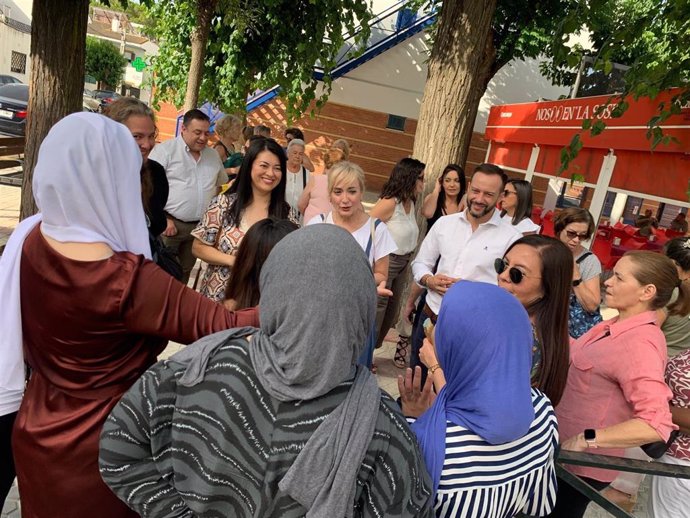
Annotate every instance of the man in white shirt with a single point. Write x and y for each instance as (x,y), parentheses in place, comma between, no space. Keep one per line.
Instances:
(297,175)
(194,173)
(465,245)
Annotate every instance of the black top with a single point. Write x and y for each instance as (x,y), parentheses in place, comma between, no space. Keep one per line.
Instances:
(159,197)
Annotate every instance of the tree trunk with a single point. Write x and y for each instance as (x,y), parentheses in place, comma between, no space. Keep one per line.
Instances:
(461,64)
(458,73)
(58,43)
(199,39)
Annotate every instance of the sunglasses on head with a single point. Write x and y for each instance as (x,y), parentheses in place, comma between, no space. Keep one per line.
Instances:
(572,235)
(516,275)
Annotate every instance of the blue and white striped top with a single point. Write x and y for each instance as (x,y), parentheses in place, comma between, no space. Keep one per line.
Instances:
(480,480)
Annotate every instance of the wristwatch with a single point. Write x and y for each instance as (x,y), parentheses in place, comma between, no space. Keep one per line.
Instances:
(577,282)
(591,438)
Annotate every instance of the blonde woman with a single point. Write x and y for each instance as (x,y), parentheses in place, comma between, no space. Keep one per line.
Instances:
(229,132)
(346,189)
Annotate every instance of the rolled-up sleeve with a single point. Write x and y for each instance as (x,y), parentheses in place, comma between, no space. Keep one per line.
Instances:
(427,256)
(641,378)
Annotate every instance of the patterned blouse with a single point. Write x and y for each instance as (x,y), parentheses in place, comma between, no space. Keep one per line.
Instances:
(215,230)
(678,379)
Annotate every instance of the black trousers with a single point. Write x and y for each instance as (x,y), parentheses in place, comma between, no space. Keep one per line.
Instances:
(7,473)
(570,503)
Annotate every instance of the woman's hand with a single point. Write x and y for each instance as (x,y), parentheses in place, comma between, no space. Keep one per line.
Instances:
(382,291)
(427,354)
(415,399)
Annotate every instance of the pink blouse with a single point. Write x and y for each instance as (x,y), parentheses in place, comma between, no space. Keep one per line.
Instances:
(319,199)
(616,374)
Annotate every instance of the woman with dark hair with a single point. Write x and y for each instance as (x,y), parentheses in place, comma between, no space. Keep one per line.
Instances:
(395,208)
(447,196)
(573,226)
(243,289)
(258,192)
(616,396)
(516,204)
(537,270)
(676,324)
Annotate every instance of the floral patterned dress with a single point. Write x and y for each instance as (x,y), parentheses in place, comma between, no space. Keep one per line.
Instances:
(214,229)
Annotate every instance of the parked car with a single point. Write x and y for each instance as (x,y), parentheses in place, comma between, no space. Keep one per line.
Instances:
(96,100)
(14,99)
(6,80)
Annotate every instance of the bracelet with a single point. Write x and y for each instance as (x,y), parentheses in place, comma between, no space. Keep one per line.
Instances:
(434,368)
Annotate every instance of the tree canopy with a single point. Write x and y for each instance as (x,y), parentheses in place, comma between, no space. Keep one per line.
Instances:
(650,37)
(255,46)
(104,62)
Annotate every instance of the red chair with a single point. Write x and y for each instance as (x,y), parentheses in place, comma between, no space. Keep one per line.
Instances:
(621,234)
(673,233)
(602,249)
(536,215)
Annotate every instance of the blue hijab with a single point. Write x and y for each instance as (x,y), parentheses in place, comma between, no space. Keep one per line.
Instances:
(484,346)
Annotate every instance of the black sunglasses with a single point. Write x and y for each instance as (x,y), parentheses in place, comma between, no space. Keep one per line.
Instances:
(572,235)
(515,275)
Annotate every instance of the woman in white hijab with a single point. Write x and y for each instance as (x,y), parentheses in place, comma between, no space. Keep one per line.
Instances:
(87,310)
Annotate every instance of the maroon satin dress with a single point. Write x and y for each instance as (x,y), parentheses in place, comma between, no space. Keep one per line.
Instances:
(90,330)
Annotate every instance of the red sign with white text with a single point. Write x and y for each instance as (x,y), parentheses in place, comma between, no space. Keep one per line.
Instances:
(555,123)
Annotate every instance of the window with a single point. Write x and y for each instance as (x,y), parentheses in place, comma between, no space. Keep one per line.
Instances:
(18,63)
(396,122)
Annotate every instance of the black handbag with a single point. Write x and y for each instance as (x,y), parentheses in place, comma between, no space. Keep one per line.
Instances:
(657,449)
(165,257)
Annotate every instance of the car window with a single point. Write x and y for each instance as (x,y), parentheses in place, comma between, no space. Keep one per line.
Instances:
(16,91)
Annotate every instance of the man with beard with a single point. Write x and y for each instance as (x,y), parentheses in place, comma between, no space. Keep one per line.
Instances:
(462,246)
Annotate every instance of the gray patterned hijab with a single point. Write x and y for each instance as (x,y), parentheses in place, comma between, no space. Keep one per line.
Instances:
(317,307)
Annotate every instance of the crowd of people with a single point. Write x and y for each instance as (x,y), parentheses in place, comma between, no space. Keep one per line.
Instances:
(274,409)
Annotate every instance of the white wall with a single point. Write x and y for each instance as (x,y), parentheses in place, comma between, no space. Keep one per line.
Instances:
(393,82)
(20,10)
(12,40)
(517,82)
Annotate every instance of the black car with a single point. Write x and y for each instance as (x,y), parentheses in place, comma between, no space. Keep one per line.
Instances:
(14,99)
(97,100)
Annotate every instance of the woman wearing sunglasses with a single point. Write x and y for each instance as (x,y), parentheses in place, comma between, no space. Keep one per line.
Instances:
(537,271)
(516,204)
(573,226)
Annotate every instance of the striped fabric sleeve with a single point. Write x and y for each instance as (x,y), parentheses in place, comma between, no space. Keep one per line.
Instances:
(134,457)
(543,499)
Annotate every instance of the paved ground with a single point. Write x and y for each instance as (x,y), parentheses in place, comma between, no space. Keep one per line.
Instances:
(387,371)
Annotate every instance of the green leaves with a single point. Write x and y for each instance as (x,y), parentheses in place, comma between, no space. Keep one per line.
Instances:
(255,46)
(104,61)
